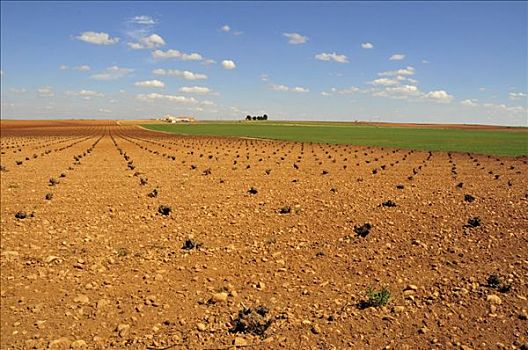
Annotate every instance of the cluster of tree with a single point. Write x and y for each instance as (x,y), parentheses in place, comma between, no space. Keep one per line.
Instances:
(259,117)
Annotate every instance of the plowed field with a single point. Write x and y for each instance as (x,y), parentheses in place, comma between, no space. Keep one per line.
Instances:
(116,237)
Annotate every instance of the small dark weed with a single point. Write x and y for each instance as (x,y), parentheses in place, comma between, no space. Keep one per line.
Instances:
(363,230)
(206,172)
(473,222)
(376,298)
(495,282)
(325,172)
(285,210)
(21,215)
(164,210)
(191,244)
(460,185)
(49,196)
(253,190)
(469,198)
(389,204)
(400,187)
(268,171)
(153,193)
(252,321)
(122,252)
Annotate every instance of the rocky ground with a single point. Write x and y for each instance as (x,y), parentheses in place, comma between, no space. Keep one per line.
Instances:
(114,237)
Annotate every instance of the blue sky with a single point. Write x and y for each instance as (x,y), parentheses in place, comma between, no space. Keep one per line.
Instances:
(439,62)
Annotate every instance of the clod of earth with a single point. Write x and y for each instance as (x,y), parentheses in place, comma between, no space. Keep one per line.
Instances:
(363,230)
(400,187)
(460,185)
(253,190)
(164,210)
(49,196)
(252,321)
(53,181)
(153,193)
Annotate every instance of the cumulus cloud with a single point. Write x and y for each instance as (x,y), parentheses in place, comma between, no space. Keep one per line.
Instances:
(160,54)
(187,75)
(147,20)
(45,91)
(385,82)
(403,71)
(149,42)
(284,88)
(199,90)
(81,68)
(104,110)
(97,38)
(397,57)
(228,64)
(112,73)
(171,98)
(440,96)
(469,103)
(346,91)
(16,91)
(150,84)
(295,38)
(85,94)
(225,28)
(517,95)
(367,45)
(264,77)
(331,57)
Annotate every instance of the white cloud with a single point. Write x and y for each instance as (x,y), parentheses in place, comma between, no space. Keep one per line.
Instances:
(517,95)
(149,42)
(46,91)
(143,20)
(200,90)
(150,84)
(81,68)
(346,91)
(440,96)
(179,74)
(104,110)
(331,57)
(367,45)
(112,73)
(285,88)
(16,91)
(384,82)
(228,64)
(397,57)
(264,77)
(403,71)
(85,94)
(97,38)
(295,38)
(171,98)
(225,28)
(177,54)
(425,61)
(469,103)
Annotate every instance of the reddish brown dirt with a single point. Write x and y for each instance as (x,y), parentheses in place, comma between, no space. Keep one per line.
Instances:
(98,267)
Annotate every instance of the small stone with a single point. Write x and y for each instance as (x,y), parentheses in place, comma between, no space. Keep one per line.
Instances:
(123,330)
(219,298)
(82,299)
(201,327)
(261,285)
(61,343)
(494,299)
(239,341)
(398,309)
(102,303)
(411,287)
(423,330)
(51,259)
(316,329)
(79,344)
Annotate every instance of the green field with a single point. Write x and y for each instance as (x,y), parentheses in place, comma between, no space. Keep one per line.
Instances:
(512,142)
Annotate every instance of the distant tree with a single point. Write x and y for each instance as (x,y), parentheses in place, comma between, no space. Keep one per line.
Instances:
(254,118)
(259,117)
(265,117)
(248,117)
